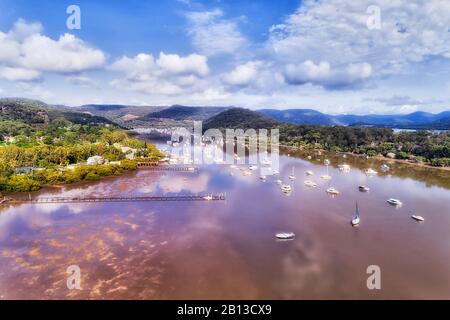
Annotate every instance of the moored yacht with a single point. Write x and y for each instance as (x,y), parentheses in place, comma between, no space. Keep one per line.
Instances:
(364,189)
(356,219)
(332,191)
(395,202)
(418,218)
(285,236)
(371,172)
(310,183)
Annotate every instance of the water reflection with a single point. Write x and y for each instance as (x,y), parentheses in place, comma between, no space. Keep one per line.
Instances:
(227,249)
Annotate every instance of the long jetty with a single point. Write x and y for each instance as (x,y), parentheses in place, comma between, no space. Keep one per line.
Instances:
(162,198)
(155,166)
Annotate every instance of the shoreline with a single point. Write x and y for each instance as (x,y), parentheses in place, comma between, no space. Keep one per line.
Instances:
(380,158)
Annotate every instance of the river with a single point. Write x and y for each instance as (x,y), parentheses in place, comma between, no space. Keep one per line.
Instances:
(227,249)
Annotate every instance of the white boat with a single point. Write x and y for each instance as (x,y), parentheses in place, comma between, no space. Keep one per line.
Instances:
(285,236)
(279,182)
(384,167)
(395,202)
(276,172)
(418,218)
(310,183)
(292,176)
(356,219)
(371,172)
(364,189)
(263,178)
(325,177)
(191,169)
(286,188)
(332,191)
(309,173)
(253,168)
(208,198)
(344,167)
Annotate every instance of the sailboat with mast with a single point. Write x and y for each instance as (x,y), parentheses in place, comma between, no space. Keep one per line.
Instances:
(356,219)
(292,176)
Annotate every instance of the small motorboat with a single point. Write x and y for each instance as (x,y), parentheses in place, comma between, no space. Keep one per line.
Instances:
(344,167)
(279,182)
(418,218)
(253,168)
(285,236)
(356,219)
(384,167)
(309,173)
(276,172)
(395,202)
(310,183)
(325,177)
(263,178)
(286,188)
(371,172)
(364,189)
(292,176)
(333,191)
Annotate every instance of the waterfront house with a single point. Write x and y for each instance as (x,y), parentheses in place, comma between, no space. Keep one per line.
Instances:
(95,160)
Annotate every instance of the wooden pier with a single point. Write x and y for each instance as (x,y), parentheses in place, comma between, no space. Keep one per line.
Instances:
(155,166)
(162,198)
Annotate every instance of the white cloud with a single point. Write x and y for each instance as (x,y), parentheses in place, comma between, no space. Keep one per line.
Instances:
(18,74)
(193,64)
(243,74)
(214,35)
(336,31)
(170,74)
(82,81)
(25,53)
(322,74)
(35,91)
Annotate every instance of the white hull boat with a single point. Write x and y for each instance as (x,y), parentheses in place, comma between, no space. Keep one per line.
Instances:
(395,202)
(285,236)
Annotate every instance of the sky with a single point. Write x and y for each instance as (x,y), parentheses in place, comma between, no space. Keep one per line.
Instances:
(334,56)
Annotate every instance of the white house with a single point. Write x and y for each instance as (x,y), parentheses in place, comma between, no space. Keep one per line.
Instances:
(95,160)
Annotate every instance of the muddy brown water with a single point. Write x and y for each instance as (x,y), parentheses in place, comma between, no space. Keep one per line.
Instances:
(226,249)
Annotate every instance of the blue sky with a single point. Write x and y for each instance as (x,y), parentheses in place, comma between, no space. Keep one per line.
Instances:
(332,56)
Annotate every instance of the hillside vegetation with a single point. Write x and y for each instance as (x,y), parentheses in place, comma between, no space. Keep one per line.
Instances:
(420,146)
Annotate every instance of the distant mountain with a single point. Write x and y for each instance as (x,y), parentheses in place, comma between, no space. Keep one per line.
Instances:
(239,118)
(307,116)
(178,113)
(300,116)
(118,113)
(32,112)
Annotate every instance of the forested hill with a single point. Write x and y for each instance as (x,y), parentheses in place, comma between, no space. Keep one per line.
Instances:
(178,112)
(23,112)
(238,118)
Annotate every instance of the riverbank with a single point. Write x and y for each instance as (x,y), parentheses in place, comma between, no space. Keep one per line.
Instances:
(377,157)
